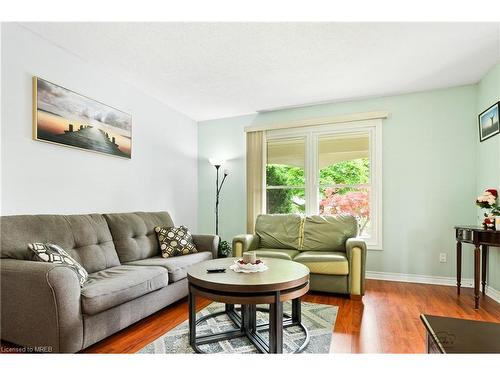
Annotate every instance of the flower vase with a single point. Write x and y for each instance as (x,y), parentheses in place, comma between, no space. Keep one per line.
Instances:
(489,222)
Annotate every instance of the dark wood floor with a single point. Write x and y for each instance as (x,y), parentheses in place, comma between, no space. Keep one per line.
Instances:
(386,321)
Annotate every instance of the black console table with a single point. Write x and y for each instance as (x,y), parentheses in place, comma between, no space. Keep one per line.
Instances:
(481,239)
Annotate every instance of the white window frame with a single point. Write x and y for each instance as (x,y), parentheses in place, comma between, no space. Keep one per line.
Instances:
(312,134)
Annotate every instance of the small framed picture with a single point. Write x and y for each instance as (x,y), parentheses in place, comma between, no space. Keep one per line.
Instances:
(488,122)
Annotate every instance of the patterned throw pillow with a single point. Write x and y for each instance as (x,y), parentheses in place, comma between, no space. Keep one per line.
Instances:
(51,253)
(175,241)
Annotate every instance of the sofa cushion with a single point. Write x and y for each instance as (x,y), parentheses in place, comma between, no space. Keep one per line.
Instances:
(134,235)
(277,253)
(86,238)
(279,231)
(175,241)
(117,285)
(324,262)
(328,233)
(176,266)
(52,253)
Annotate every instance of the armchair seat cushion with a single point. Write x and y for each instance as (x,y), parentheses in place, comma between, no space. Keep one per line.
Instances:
(324,262)
(276,253)
(176,266)
(112,287)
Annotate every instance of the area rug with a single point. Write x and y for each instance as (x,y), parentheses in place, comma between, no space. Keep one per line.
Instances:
(319,320)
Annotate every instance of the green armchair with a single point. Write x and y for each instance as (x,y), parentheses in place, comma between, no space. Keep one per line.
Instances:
(327,245)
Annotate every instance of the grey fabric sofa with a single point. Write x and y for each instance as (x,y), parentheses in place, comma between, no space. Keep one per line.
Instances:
(43,305)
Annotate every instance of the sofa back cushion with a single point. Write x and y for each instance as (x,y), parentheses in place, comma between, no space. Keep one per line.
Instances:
(279,231)
(86,238)
(328,233)
(134,233)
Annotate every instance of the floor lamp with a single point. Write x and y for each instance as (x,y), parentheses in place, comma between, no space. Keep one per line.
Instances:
(217,164)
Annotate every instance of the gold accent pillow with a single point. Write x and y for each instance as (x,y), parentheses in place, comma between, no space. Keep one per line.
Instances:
(175,241)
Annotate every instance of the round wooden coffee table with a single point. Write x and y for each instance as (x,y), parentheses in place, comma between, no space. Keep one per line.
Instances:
(284,280)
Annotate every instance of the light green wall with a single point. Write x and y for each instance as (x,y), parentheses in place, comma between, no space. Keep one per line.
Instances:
(428,174)
(488,159)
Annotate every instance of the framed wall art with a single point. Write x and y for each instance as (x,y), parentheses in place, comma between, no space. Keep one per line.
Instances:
(64,117)
(488,122)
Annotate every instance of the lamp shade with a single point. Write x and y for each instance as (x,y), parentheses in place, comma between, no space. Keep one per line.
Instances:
(216,161)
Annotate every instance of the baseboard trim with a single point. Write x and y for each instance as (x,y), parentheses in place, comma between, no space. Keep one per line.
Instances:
(425,279)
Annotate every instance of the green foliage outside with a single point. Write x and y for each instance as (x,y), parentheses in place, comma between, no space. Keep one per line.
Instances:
(288,200)
(279,201)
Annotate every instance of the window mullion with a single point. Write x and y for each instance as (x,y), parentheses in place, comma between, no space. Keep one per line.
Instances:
(312,174)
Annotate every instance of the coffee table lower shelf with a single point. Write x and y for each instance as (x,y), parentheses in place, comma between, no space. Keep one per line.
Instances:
(245,319)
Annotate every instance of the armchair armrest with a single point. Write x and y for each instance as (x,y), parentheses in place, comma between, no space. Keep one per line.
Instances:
(356,254)
(40,306)
(245,242)
(207,242)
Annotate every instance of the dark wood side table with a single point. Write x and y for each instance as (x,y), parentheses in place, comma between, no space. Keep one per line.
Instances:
(481,239)
(460,336)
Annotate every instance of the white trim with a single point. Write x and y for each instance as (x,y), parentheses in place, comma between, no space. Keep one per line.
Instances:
(493,293)
(320,121)
(426,279)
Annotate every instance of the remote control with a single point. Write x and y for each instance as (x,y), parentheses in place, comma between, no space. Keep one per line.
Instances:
(216,270)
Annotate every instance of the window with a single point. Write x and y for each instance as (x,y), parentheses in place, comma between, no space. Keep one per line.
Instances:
(328,169)
(285,178)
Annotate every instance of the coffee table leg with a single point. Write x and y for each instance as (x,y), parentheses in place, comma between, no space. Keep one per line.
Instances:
(252,318)
(296,311)
(245,315)
(276,325)
(192,317)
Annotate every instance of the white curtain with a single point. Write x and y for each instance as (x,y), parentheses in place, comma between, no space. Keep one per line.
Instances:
(256,156)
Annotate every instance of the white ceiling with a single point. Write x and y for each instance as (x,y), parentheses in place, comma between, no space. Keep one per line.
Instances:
(214,70)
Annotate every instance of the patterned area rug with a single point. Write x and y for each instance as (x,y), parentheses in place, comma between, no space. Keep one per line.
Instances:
(319,320)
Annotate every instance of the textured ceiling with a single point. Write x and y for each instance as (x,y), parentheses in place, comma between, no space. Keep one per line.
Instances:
(213,70)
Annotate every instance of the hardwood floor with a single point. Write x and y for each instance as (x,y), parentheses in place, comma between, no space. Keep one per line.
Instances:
(386,321)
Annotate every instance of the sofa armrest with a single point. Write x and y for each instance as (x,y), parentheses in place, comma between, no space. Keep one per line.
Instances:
(207,242)
(245,242)
(40,306)
(356,254)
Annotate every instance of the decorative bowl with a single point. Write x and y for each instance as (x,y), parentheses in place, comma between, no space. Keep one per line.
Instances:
(248,267)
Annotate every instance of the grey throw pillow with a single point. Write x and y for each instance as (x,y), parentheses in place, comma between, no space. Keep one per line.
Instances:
(175,241)
(51,253)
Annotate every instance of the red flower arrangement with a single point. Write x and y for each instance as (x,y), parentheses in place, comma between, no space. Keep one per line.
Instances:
(488,200)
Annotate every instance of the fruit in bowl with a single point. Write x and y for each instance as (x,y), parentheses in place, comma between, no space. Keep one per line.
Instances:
(241,266)
(242,262)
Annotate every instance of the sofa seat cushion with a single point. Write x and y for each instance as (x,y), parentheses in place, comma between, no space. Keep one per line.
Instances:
(176,266)
(276,253)
(117,285)
(324,262)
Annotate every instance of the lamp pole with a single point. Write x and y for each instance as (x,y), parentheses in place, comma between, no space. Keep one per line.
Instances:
(218,188)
